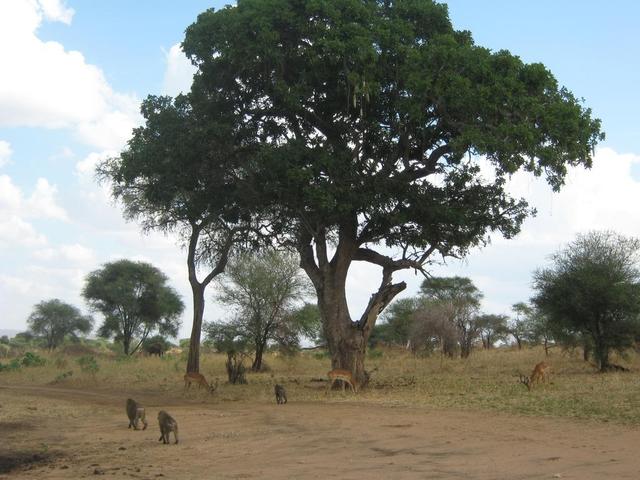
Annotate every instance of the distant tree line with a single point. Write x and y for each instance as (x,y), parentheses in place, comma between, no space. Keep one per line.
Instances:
(588,298)
(134,299)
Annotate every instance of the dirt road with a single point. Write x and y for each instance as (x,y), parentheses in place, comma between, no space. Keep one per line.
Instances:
(56,433)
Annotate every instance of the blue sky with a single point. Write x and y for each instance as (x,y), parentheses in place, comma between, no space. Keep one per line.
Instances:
(73,73)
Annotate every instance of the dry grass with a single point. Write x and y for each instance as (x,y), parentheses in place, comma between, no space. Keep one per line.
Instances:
(486,381)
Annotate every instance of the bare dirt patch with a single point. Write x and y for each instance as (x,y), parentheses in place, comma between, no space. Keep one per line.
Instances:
(83,434)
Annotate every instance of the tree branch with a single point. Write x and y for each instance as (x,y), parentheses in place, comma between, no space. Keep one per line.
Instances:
(379,300)
(371,256)
(223,258)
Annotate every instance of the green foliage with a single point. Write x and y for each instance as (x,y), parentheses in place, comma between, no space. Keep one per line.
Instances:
(135,300)
(227,338)
(458,301)
(31,359)
(264,290)
(88,364)
(387,96)
(308,322)
(181,172)
(397,322)
(492,328)
(593,289)
(54,319)
(11,366)
(156,345)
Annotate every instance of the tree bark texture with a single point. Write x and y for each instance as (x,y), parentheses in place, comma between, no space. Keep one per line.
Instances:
(193,361)
(346,339)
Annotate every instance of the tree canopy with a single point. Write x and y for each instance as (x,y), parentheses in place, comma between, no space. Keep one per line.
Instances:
(54,320)
(593,289)
(264,291)
(135,301)
(181,172)
(371,119)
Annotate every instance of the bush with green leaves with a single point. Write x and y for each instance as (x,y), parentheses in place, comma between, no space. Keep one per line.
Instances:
(88,364)
(31,359)
(11,366)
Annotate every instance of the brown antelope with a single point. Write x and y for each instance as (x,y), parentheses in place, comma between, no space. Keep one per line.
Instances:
(193,377)
(540,374)
(345,376)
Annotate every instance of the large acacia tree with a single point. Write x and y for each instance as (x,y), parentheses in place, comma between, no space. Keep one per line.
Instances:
(592,290)
(460,299)
(54,320)
(181,173)
(372,118)
(135,301)
(263,291)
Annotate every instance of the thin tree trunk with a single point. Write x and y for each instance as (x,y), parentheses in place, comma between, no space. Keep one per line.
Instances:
(197,288)
(193,361)
(256,366)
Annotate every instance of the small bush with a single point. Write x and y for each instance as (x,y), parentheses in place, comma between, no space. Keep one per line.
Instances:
(31,359)
(63,376)
(88,364)
(12,365)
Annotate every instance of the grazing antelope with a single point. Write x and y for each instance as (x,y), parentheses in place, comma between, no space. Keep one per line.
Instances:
(193,377)
(343,375)
(540,374)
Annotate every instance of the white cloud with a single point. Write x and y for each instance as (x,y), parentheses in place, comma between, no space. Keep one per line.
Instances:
(603,197)
(10,196)
(15,231)
(14,209)
(42,202)
(179,73)
(56,11)
(43,85)
(16,284)
(5,152)
(86,168)
(75,253)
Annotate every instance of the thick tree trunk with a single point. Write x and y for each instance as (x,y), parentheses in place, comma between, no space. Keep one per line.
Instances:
(346,339)
(256,366)
(193,361)
(346,342)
